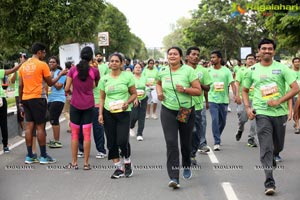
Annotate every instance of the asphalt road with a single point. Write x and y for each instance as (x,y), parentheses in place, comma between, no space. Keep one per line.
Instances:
(233,173)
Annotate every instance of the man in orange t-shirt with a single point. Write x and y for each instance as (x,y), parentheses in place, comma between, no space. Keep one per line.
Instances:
(34,74)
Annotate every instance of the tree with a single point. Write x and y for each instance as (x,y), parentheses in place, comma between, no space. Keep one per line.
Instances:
(52,22)
(284,25)
(214,27)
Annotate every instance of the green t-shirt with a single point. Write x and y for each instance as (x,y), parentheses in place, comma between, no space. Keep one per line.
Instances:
(236,69)
(103,69)
(205,79)
(140,85)
(219,89)
(2,75)
(117,89)
(182,76)
(240,77)
(269,83)
(251,89)
(17,84)
(151,75)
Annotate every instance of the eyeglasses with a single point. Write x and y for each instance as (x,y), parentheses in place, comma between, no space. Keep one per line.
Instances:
(52,62)
(151,63)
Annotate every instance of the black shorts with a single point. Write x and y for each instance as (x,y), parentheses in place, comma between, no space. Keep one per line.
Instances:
(81,116)
(35,110)
(55,108)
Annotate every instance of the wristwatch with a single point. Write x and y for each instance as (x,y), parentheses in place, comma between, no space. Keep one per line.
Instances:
(184,88)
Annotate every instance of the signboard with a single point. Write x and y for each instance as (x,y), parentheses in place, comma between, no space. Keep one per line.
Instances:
(69,53)
(103,39)
(245,51)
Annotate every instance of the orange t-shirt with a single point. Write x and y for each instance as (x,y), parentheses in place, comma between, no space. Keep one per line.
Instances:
(32,73)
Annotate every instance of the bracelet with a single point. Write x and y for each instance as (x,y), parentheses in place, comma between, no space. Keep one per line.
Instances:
(184,88)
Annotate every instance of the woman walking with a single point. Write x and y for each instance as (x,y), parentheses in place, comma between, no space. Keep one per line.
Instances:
(117,93)
(175,87)
(138,113)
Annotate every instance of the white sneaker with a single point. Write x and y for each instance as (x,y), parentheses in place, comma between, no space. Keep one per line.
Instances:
(216,147)
(132,132)
(139,138)
(147,116)
(228,109)
(80,154)
(154,116)
(100,155)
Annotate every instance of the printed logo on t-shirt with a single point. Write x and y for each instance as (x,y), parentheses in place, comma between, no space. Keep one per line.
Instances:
(200,75)
(276,71)
(263,77)
(111,88)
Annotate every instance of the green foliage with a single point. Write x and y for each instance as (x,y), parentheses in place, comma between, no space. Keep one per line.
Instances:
(49,21)
(213,27)
(284,25)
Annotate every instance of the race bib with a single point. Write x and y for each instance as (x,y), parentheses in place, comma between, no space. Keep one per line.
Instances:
(268,91)
(251,89)
(150,81)
(116,106)
(140,93)
(219,86)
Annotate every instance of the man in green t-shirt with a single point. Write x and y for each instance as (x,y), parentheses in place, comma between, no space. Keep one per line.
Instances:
(269,106)
(241,112)
(198,138)
(98,129)
(218,96)
(296,65)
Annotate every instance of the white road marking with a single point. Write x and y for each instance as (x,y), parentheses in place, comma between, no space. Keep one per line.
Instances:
(230,194)
(212,156)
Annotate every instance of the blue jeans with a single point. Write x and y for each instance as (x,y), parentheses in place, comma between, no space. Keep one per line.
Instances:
(203,128)
(98,132)
(196,133)
(218,112)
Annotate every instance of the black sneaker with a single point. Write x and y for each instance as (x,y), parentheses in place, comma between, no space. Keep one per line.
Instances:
(128,170)
(6,150)
(251,142)
(193,161)
(117,174)
(238,135)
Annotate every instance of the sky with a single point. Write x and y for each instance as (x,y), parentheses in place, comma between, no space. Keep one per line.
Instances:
(150,20)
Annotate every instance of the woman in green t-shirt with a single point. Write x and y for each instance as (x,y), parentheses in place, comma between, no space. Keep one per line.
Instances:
(175,87)
(117,93)
(138,113)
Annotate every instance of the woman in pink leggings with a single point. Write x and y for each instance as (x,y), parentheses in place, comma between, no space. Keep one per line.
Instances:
(84,78)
